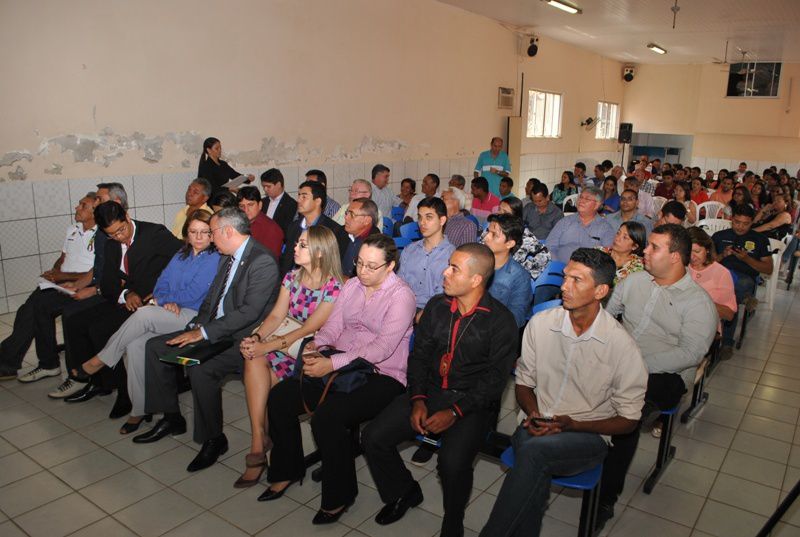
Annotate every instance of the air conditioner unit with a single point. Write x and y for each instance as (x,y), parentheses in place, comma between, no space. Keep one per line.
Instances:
(505,98)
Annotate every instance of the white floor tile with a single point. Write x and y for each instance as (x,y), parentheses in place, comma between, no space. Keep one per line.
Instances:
(59,517)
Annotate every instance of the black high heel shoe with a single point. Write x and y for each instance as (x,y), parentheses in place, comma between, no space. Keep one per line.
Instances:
(324,517)
(128,428)
(269,494)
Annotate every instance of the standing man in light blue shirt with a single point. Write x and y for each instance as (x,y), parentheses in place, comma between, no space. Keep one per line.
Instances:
(493,165)
(423,262)
(584,229)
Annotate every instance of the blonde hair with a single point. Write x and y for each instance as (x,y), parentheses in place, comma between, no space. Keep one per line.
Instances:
(324,252)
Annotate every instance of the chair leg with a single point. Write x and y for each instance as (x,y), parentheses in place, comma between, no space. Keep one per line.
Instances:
(588,521)
(699,398)
(745,317)
(666,451)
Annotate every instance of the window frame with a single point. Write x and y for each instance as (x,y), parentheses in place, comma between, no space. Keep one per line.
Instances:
(549,115)
(603,123)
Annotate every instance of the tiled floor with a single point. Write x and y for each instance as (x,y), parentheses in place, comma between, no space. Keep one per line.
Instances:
(64,470)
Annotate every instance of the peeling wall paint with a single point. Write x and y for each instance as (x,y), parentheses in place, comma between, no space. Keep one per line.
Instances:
(13,156)
(18,174)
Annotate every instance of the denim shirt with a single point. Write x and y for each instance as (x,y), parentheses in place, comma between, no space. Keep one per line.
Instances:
(511,285)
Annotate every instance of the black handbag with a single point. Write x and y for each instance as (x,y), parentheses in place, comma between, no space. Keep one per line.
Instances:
(344,380)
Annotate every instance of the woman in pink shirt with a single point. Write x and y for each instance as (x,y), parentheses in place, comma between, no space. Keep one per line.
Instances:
(710,275)
(371,319)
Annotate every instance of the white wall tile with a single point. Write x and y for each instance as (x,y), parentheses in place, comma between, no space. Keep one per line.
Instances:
(15,301)
(78,188)
(148,190)
(51,232)
(398,171)
(154,214)
(357,171)
(291,177)
(51,198)
(169,213)
(46,261)
(16,200)
(127,182)
(18,238)
(174,185)
(21,274)
(411,169)
(2,283)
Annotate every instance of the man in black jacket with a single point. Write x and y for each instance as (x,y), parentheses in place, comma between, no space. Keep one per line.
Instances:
(277,204)
(465,347)
(311,198)
(243,292)
(133,261)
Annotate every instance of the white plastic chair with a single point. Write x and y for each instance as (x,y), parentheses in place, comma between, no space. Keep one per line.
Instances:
(771,281)
(572,199)
(658,202)
(713,208)
(712,225)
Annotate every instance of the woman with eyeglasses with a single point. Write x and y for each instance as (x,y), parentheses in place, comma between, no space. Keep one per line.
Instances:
(372,319)
(307,296)
(177,296)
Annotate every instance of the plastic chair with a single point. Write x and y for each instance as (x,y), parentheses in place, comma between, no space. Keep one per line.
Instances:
(712,225)
(776,247)
(397,213)
(410,231)
(666,451)
(699,395)
(555,267)
(401,242)
(388,226)
(588,482)
(572,200)
(474,219)
(712,209)
(538,308)
(658,203)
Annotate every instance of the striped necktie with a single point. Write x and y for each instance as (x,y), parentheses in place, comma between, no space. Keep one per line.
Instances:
(228,267)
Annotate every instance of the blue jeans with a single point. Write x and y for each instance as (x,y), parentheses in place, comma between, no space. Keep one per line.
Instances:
(745,286)
(520,505)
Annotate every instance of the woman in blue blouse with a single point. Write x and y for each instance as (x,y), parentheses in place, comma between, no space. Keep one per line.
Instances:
(178,294)
(610,196)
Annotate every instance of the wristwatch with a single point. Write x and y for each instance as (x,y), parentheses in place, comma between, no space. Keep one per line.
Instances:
(455,414)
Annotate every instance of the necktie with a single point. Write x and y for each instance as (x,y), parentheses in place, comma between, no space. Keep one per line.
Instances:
(218,301)
(125,257)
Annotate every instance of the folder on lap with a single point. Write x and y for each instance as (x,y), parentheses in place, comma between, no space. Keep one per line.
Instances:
(196,353)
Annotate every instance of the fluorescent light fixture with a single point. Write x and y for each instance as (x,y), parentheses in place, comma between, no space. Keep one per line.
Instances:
(564,6)
(655,48)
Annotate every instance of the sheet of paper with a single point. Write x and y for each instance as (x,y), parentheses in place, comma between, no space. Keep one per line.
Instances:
(46,284)
(236,182)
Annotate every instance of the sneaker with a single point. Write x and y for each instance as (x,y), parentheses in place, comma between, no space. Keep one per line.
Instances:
(422,456)
(39,373)
(67,388)
(656,430)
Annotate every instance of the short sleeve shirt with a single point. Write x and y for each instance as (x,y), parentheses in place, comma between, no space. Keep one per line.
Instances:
(754,243)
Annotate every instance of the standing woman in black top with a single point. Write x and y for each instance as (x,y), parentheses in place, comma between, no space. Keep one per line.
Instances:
(212,167)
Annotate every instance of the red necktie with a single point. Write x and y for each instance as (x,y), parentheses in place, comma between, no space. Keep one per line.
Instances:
(125,257)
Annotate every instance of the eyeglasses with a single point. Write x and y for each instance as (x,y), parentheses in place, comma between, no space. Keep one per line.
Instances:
(198,233)
(351,214)
(121,230)
(360,265)
(213,229)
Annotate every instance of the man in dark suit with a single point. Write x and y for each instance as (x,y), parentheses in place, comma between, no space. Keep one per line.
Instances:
(277,204)
(311,198)
(133,261)
(245,289)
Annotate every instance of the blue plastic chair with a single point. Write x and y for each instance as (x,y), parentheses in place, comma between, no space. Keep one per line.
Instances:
(397,213)
(666,451)
(388,226)
(474,219)
(401,242)
(410,231)
(555,267)
(538,308)
(588,482)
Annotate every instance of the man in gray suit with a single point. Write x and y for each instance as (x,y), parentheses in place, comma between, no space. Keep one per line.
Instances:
(244,290)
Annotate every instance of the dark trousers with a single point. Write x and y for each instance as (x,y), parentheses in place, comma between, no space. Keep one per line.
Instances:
(161,385)
(745,286)
(331,425)
(459,446)
(664,390)
(87,332)
(35,320)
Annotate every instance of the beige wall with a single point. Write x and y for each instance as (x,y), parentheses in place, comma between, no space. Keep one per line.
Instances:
(689,99)
(325,81)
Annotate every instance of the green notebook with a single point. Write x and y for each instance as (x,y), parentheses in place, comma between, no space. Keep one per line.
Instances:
(196,353)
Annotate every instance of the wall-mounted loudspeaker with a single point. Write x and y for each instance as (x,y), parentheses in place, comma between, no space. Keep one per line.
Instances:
(625,133)
(628,72)
(533,46)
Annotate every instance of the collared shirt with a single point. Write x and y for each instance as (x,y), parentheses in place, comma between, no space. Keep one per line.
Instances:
(616,220)
(377,328)
(486,162)
(411,210)
(339,216)
(422,270)
(482,209)
(722,197)
(78,249)
(237,260)
(511,285)
(541,224)
(569,234)
(331,207)
(755,244)
(124,247)
(273,205)
(597,375)
(385,199)
(649,186)
(266,231)
(180,219)
(646,204)
(186,280)
(673,325)
(460,230)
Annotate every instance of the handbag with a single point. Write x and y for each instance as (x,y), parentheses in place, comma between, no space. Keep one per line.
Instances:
(344,380)
(288,324)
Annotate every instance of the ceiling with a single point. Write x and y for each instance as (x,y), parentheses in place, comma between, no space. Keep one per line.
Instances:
(621,29)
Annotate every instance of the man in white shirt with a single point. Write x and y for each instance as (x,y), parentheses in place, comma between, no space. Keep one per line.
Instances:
(382,193)
(580,376)
(35,319)
(430,188)
(197,194)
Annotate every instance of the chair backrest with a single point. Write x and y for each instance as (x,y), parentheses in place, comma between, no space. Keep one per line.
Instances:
(776,247)
(397,213)
(474,219)
(571,200)
(388,225)
(402,242)
(538,308)
(658,202)
(554,267)
(711,208)
(410,231)
(712,225)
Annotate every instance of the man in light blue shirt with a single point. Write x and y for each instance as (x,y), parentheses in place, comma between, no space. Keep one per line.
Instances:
(629,211)
(423,262)
(493,165)
(584,229)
